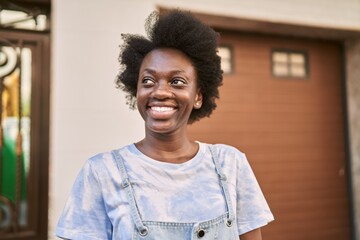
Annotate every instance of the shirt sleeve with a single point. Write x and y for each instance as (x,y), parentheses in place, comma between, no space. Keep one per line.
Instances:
(252,209)
(84,216)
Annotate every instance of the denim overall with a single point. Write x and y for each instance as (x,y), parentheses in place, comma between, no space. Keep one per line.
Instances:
(222,227)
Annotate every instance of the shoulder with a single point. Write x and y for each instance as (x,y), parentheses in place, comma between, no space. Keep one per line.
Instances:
(103,162)
(227,148)
(227,151)
(228,156)
(102,157)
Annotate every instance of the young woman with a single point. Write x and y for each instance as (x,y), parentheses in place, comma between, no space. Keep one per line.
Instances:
(167,186)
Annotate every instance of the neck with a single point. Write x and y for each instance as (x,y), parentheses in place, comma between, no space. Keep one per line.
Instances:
(172,148)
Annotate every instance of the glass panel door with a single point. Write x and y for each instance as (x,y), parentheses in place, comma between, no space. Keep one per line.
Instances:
(24,130)
(15,98)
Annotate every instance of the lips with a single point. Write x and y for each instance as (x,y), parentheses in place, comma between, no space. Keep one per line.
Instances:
(161,112)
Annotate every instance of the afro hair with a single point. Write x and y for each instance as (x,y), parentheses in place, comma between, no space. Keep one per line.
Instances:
(182,31)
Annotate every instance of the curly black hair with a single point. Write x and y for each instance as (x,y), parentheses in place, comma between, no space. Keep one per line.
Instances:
(182,31)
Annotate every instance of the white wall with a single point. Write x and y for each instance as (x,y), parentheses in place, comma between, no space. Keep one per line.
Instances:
(342,14)
(88,115)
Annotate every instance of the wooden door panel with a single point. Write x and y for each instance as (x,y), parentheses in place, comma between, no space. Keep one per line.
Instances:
(292,131)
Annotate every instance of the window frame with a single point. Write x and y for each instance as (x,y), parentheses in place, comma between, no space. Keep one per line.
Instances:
(231,60)
(289,52)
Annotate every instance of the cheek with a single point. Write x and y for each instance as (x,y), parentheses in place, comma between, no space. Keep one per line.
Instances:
(136,90)
(140,93)
(139,100)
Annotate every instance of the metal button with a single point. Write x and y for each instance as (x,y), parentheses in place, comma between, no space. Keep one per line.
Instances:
(201,233)
(229,223)
(143,232)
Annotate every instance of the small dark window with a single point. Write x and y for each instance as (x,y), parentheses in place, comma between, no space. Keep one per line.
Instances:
(225,52)
(290,64)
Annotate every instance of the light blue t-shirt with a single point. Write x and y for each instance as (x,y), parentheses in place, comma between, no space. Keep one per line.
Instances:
(189,192)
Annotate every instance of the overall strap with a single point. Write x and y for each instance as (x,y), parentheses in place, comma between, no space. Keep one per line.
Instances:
(223,183)
(126,184)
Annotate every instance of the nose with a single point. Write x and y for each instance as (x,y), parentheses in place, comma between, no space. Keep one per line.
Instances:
(162,90)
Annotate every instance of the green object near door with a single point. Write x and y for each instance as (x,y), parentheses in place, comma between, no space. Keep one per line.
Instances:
(8,175)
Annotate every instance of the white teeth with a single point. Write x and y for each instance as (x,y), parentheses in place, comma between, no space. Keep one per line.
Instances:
(162,109)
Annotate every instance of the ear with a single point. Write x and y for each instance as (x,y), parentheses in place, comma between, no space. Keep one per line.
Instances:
(198,100)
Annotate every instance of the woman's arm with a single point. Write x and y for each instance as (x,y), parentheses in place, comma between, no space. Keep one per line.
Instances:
(252,235)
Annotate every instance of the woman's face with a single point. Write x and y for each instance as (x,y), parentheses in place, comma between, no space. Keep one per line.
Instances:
(167,91)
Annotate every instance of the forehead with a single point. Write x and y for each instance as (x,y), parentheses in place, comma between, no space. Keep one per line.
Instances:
(167,59)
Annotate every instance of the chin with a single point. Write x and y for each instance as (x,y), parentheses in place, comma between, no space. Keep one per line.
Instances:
(160,129)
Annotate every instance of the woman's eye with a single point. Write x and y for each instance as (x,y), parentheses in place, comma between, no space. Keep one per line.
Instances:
(178,81)
(148,81)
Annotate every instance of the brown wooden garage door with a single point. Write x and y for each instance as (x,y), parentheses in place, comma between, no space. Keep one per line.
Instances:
(292,131)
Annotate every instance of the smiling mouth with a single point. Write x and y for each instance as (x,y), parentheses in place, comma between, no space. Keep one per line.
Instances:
(162,109)
(161,112)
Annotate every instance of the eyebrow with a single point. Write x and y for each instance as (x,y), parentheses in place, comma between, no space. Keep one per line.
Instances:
(149,70)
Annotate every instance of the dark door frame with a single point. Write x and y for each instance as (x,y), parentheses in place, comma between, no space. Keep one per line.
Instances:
(39,143)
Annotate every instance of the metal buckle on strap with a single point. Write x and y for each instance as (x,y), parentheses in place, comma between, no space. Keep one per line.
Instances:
(125,183)
(222,177)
